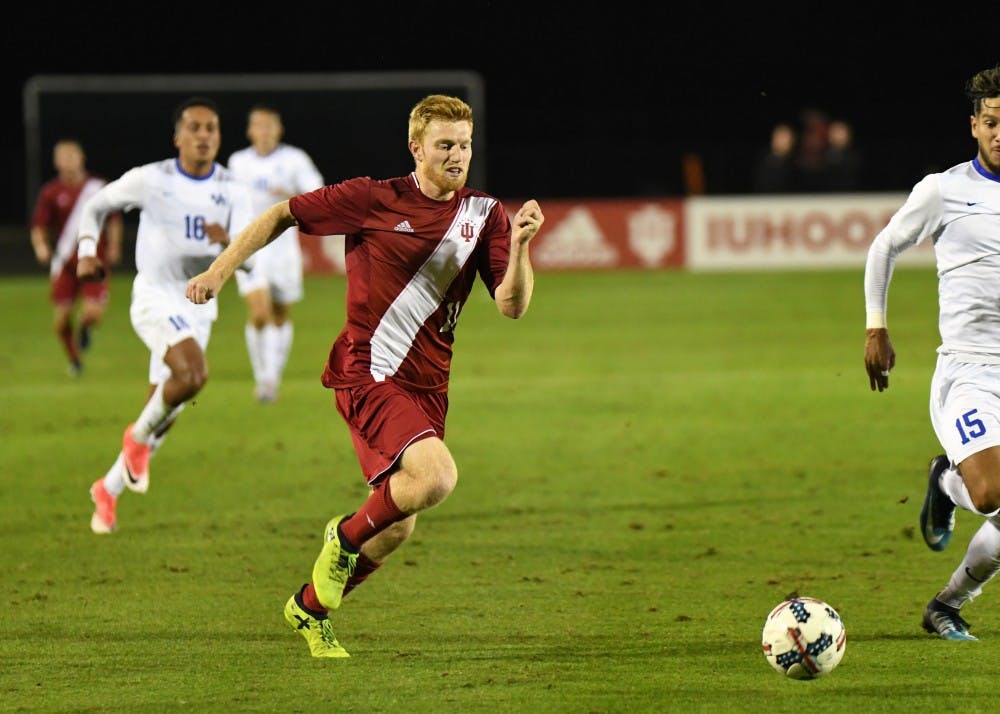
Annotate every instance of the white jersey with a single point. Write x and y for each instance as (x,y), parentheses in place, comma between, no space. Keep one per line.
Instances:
(285,172)
(171,243)
(958,209)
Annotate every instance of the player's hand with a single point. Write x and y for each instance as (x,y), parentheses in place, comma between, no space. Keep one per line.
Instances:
(880,357)
(217,234)
(202,288)
(89,269)
(527,221)
(43,254)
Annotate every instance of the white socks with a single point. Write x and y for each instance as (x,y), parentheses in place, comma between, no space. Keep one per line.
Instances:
(161,432)
(268,348)
(953,485)
(981,563)
(114,479)
(153,415)
(282,348)
(255,349)
(269,351)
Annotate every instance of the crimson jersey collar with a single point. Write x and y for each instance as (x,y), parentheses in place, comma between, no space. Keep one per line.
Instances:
(416,186)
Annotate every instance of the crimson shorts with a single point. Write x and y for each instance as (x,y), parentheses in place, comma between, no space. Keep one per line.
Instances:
(66,287)
(384,419)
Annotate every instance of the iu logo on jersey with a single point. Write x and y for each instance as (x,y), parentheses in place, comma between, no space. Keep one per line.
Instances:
(468,230)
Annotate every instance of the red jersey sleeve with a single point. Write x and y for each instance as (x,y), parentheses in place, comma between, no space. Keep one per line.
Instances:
(42,217)
(492,263)
(331,210)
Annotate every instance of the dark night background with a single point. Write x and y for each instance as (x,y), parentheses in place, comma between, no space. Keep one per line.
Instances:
(582,100)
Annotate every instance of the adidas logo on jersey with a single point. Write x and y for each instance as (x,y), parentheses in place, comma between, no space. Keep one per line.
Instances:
(403,227)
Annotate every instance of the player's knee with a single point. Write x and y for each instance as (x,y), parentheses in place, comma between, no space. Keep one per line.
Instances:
(258,320)
(431,471)
(191,379)
(986,500)
(199,377)
(983,492)
(443,481)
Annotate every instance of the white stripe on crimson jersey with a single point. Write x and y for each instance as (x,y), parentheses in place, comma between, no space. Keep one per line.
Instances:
(411,263)
(171,243)
(66,243)
(398,327)
(959,209)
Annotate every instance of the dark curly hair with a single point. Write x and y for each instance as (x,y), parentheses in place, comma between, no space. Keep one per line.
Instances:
(984,85)
(193,102)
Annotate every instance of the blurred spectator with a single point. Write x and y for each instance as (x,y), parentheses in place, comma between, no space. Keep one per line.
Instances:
(810,160)
(843,162)
(775,169)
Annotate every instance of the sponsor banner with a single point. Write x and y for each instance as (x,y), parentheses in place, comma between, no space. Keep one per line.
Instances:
(607,233)
(577,235)
(777,232)
(700,233)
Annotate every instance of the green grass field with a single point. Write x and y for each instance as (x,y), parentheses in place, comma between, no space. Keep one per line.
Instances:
(648,463)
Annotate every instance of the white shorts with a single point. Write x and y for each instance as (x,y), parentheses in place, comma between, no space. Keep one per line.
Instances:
(162,317)
(965,407)
(278,268)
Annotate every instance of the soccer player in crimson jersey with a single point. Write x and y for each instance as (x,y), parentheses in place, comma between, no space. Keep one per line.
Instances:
(57,213)
(414,246)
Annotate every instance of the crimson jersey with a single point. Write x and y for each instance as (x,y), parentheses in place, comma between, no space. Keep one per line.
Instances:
(411,263)
(58,211)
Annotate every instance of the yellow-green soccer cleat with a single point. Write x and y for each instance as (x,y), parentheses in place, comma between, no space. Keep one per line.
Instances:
(333,567)
(317,630)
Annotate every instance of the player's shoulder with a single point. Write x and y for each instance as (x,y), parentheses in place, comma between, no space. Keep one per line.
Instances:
(962,171)
(489,202)
(240,155)
(958,178)
(296,157)
(154,172)
(391,190)
(53,185)
(292,150)
(169,166)
(225,176)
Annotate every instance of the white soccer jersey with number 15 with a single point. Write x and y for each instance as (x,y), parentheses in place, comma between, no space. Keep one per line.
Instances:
(959,209)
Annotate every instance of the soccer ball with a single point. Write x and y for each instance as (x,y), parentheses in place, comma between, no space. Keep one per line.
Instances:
(804,638)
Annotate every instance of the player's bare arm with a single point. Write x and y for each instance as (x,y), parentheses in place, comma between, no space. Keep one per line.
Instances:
(880,357)
(513,295)
(40,243)
(115,230)
(261,231)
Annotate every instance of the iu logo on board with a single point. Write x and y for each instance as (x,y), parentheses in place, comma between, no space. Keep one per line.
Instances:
(468,230)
